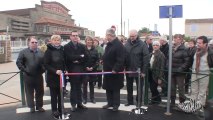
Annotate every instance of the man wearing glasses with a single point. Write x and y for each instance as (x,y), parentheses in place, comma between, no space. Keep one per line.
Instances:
(137,56)
(75,57)
(30,63)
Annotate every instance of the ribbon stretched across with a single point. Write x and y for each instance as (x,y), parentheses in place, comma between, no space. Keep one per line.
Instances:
(99,73)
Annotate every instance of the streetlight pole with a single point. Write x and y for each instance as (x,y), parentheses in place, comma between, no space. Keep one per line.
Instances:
(121,18)
(128,26)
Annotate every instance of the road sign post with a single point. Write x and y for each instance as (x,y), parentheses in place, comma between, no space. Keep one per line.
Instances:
(174,11)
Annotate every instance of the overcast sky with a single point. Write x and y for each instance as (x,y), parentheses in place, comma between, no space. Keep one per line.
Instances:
(98,15)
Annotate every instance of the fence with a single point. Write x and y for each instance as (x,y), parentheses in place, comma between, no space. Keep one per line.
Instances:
(6,95)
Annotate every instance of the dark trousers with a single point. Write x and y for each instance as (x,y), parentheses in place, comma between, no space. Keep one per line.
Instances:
(188,80)
(129,85)
(113,97)
(165,83)
(99,79)
(38,87)
(91,87)
(55,99)
(75,93)
(178,80)
(156,98)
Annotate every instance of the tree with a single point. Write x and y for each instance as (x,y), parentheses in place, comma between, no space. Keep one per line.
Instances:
(186,38)
(143,31)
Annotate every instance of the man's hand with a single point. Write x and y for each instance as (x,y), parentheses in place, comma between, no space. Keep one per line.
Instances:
(58,72)
(89,68)
(82,55)
(76,61)
(143,75)
(159,81)
(113,72)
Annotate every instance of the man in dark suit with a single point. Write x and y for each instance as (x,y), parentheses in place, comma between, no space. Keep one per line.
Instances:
(75,55)
(148,41)
(113,60)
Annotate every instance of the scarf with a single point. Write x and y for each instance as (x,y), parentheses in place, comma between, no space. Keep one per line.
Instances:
(57,47)
(199,54)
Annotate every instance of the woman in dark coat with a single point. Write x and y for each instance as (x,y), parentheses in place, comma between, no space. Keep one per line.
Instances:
(113,61)
(90,66)
(54,64)
(156,72)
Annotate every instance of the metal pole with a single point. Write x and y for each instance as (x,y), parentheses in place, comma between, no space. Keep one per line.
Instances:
(6,40)
(140,109)
(146,89)
(128,26)
(124,28)
(170,62)
(63,115)
(121,17)
(139,88)
(62,96)
(22,89)
(117,29)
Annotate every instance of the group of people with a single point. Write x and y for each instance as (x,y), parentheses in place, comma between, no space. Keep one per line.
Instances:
(134,54)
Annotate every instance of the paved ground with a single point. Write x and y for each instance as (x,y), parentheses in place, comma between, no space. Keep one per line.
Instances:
(17,112)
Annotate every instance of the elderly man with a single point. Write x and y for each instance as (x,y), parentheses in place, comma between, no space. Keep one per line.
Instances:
(30,63)
(113,60)
(137,56)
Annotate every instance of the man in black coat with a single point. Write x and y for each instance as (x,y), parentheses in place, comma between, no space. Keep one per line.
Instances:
(148,42)
(137,56)
(75,57)
(180,63)
(113,61)
(30,62)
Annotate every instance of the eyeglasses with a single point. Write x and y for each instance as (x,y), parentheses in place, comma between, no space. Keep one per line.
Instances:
(75,35)
(155,45)
(34,42)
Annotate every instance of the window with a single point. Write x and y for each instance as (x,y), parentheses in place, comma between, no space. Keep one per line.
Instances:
(193,28)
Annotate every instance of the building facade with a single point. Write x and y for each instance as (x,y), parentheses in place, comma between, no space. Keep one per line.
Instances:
(42,21)
(198,27)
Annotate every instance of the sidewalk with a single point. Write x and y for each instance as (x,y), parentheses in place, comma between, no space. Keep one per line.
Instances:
(9,86)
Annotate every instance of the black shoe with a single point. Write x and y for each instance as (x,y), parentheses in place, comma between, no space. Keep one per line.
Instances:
(81,106)
(84,101)
(106,106)
(32,110)
(73,108)
(40,109)
(128,104)
(99,86)
(115,109)
(93,101)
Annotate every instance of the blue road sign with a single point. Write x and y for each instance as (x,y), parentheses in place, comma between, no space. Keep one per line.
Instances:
(155,33)
(177,11)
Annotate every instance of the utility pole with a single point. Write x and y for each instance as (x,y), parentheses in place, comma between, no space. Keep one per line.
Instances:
(124,28)
(121,18)
(128,27)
